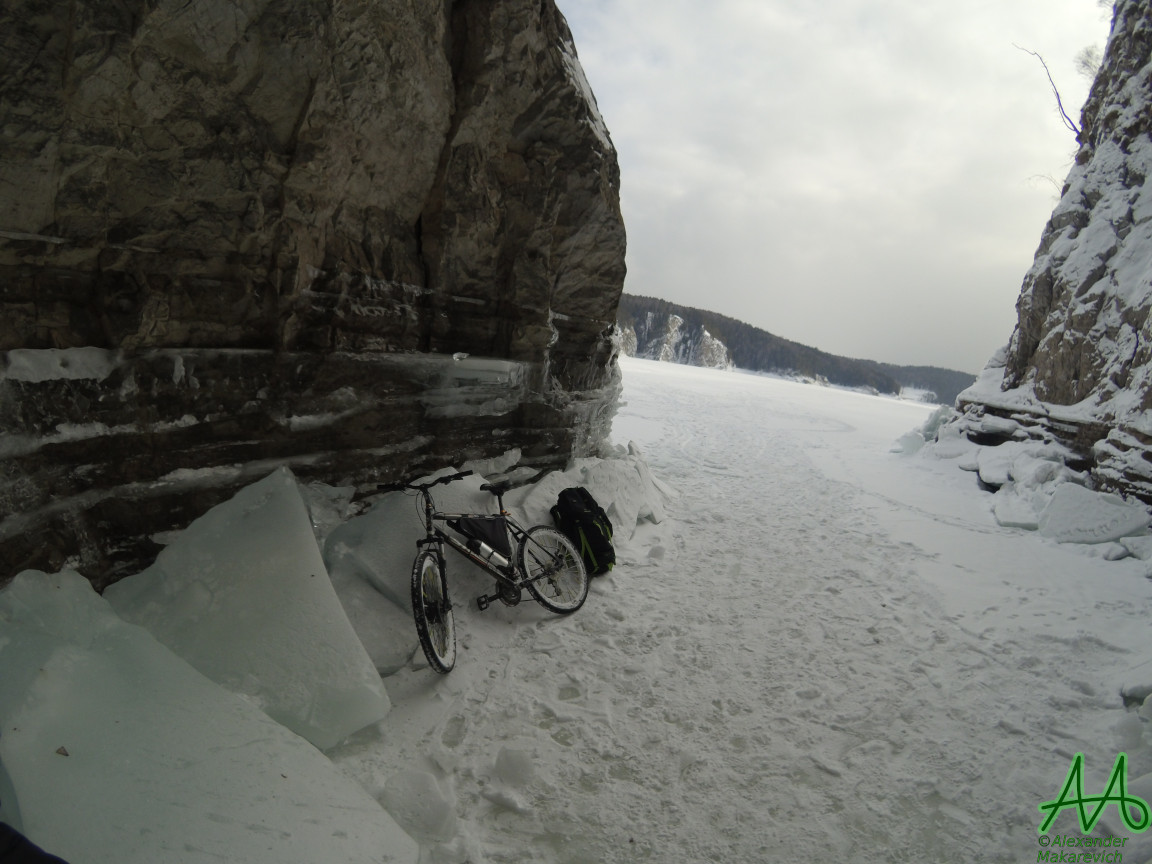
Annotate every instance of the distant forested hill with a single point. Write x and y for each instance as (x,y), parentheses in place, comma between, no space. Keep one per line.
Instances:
(645,323)
(945,383)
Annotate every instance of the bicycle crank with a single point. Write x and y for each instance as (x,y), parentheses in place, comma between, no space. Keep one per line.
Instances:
(506,593)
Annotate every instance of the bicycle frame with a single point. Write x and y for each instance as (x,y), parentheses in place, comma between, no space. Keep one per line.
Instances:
(436,535)
(553,573)
(558,562)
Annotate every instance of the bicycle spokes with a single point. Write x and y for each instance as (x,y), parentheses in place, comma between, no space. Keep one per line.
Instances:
(555,573)
(433,612)
(436,606)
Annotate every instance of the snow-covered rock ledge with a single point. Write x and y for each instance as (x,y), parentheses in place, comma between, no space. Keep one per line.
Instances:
(1036,482)
(1110,448)
(183,715)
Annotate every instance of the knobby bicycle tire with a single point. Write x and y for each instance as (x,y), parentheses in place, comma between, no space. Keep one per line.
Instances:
(435,623)
(556,576)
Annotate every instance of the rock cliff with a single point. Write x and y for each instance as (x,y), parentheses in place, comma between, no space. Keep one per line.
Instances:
(355,238)
(666,338)
(1078,367)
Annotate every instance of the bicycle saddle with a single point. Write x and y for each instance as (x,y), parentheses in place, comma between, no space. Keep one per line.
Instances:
(519,477)
(499,487)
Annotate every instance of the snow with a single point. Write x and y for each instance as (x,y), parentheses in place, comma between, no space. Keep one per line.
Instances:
(243,596)
(1034,487)
(51,364)
(1076,515)
(121,751)
(820,626)
(370,558)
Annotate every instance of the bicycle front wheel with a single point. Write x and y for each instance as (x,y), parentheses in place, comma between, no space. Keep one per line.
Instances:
(555,573)
(433,612)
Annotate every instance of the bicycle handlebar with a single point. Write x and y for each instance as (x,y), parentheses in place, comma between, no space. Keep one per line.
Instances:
(421,487)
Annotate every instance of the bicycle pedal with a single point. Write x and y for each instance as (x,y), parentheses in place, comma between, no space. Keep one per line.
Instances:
(483,602)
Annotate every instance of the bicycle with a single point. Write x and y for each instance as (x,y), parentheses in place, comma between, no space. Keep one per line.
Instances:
(545,562)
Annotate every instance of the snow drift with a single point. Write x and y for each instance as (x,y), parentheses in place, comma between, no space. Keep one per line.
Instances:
(817,637)
(171,719)
(243,596)
(118,750)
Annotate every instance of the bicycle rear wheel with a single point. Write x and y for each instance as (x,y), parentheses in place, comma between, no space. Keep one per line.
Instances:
(432,610)
(556,576)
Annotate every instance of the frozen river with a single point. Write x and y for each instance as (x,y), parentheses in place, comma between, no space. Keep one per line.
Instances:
(826,650)
(812,648)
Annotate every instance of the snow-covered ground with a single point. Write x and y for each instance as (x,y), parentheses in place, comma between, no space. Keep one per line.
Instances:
(811,647)
(827,649)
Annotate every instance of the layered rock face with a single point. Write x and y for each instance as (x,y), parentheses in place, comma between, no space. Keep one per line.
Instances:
(239,235)
(1079,364)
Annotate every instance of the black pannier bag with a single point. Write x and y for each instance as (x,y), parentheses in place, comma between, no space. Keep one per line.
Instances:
(487,529)
(579,518)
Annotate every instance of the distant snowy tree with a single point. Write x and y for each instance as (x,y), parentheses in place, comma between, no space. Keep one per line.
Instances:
(1088,61)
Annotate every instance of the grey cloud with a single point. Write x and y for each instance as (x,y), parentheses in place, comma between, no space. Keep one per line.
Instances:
(857,175)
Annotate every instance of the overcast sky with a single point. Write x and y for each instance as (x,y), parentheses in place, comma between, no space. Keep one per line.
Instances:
(863,176)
